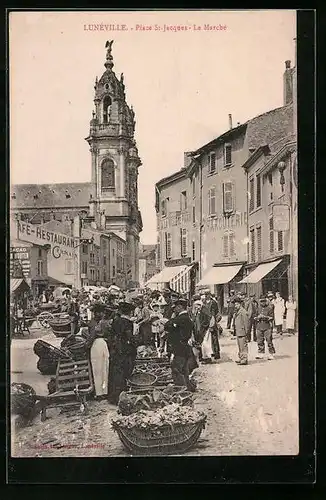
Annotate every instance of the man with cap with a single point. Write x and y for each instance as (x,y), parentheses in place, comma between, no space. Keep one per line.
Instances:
(210,307)
(179,333)
(241,324)
(123,351)
(230,309)
(250,306)
(264,320)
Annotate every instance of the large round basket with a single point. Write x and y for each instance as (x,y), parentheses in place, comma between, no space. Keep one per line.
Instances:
(171,440)
(142,380)
(60,326)
(23,398)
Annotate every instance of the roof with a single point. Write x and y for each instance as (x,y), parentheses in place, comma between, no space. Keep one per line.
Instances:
(270,127)
(51,195)
(228,135)
(262,150)
(180,174)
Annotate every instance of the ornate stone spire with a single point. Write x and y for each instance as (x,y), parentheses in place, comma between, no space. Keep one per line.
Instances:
(109,59)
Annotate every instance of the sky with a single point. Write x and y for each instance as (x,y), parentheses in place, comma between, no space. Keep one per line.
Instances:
(181,84)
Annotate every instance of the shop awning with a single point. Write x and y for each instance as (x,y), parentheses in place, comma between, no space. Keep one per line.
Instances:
(166,275)
(17,285)
(261,271)
(181,282)
(220,275)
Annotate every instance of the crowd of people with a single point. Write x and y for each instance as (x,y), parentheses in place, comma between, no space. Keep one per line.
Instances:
(113,326)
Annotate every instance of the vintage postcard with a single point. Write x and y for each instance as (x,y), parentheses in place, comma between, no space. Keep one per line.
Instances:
(153,233)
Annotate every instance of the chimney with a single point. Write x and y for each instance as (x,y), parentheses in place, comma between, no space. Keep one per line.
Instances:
(230,121)
(288,84)
(187,156)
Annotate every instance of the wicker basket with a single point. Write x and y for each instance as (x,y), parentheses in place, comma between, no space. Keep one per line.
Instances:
(142,380)
(171,441)
(159,361)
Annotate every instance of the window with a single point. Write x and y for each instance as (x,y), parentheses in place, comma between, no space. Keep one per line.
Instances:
(270,182)
(168,245)
(104,275)
(91,256)
(104,260)
(183,200)
(194,186)
(113,252)
(251,195)
(84,267)
(40,252)
(258,191)
(183,238)
(158,250)
(106,109)
(98,275)
(279,241)
(228,197)
(40,267)
(228,241)
(107,176)
(227,155)
(69,267)
(259,244)
(271,235)
(193,251)
(252,246)
(211,163)
(113,271)
(164,207)
(212,201)
(92,274)
(85,248)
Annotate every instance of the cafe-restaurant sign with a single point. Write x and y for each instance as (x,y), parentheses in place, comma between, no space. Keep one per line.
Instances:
(61,244)
(281,217)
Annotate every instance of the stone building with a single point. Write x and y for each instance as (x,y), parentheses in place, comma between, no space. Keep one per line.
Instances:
(109,202)
(147,263)
(207,222)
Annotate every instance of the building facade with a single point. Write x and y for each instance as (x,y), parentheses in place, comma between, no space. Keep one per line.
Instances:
(30,262)
(147,263)
(109,203)
(208,221)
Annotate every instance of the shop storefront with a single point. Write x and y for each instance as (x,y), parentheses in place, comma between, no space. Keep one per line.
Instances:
(272,275)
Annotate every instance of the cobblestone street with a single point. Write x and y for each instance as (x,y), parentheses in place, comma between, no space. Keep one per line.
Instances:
(252,410)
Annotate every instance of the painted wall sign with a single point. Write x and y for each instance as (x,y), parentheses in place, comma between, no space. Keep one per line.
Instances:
(61,243)
(281,217)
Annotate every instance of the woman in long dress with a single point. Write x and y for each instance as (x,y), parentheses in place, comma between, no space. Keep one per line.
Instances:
(279,308)
(291,306)
(100,359)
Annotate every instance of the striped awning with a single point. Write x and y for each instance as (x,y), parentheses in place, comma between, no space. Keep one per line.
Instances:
(165,276)
(18,284)
(181,282)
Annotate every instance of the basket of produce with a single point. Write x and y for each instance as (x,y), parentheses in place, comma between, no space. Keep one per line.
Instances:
(162,373)
(142,379)
(23,398)
(159,361)
(153,398)
(173,429)
(60,325)
(146,352)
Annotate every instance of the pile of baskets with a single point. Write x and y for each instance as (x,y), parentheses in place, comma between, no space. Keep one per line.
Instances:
(48,357)
(23,399)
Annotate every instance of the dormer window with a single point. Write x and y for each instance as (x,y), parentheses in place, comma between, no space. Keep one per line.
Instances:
(35,196)
(68,195)
(13,196)
(106,108)
(227,155)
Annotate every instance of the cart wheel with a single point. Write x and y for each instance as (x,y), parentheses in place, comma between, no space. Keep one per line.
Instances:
(43,319)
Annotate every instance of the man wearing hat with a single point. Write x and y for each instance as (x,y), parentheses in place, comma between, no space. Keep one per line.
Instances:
(73,311)
(250,306)
(180,331)
(264,320)
(230,309)
(241,324)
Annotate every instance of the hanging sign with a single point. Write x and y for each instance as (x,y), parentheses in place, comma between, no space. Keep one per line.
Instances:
(281,217)
(61,244)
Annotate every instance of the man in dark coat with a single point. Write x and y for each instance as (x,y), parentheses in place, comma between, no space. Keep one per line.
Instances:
(241,324)
(179,333)
(264,320)
(123,351)
(211,309)
(73,311)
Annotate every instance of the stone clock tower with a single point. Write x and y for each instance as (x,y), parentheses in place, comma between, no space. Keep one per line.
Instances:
(115,163)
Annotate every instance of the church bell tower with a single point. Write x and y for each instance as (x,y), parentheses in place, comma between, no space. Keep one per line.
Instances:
(115,163)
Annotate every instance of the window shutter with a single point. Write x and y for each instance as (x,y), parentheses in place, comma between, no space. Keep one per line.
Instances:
(183,242)
(259,244)
(212,201)
(194,215)
(225,245)
(227,154)
(271,235)
(193,250)
(252,195)
(252,245)
(228,197)
(212,162)
(280,241)
(231,243)
(258,191)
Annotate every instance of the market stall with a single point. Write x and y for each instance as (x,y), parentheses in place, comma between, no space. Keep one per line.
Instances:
(19,291)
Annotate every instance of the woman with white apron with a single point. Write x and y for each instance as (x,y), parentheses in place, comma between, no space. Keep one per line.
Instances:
(279,308)
(100,358)
(291,306)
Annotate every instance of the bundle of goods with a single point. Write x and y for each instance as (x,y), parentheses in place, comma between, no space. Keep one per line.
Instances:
(60,325)
(172,429)
(162,372)
(23,398)
(49,357)
(134,401)
(147,353)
